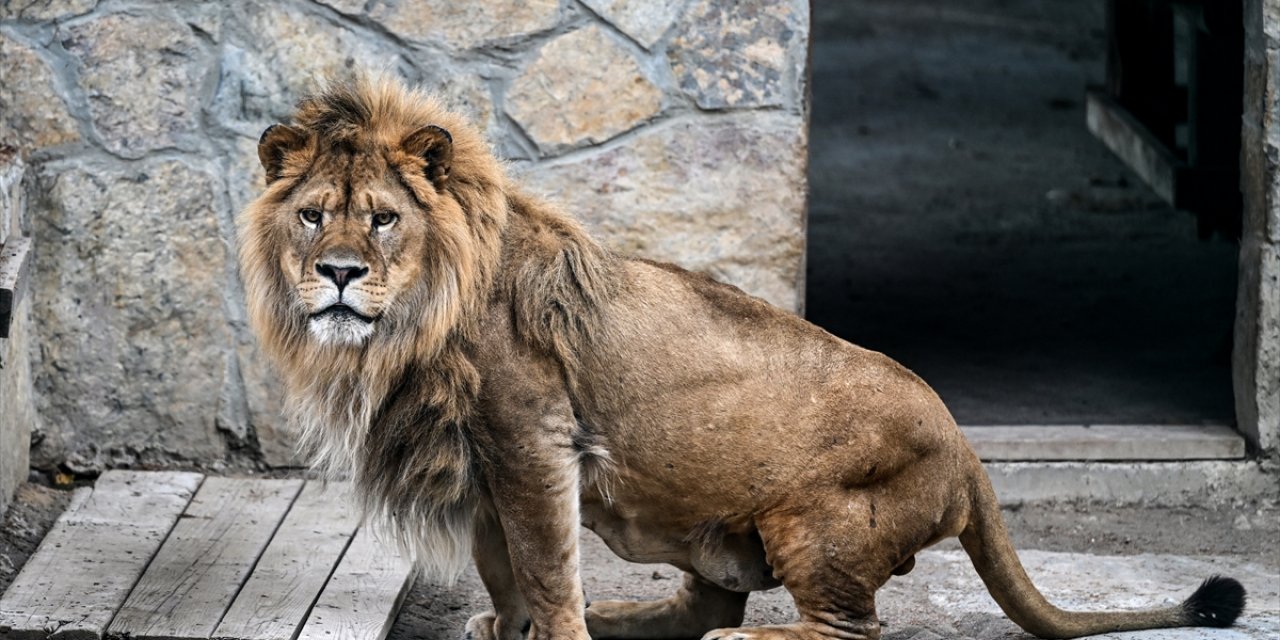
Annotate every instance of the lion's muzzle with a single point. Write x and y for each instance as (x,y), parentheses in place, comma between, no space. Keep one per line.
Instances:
(336,296)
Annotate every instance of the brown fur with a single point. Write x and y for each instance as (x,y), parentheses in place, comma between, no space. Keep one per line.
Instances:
(509,379)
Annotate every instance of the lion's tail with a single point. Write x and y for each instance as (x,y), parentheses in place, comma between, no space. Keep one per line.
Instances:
(1216,603)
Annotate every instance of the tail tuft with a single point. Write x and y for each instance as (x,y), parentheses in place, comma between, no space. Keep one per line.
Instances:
(1217,603)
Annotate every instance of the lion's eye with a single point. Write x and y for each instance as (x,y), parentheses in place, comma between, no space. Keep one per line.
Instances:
(310,217)
(384,219)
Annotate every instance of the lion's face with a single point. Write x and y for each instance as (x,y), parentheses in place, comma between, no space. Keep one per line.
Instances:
(353,235)
(351,232)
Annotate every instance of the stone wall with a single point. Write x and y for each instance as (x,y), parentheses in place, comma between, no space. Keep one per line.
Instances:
(1257,343)
(675,128)
(17,408)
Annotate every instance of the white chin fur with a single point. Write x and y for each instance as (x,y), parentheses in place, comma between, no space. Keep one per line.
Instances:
(340,331)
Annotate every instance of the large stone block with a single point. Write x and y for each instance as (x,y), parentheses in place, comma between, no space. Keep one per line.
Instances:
(469,95)
(44,10)
(17,403)
(583,87)
(350,7)
(465,25)
(143,76)
(32,114)
(748,53)
(12,198)
(286,54)
(724,196)
(264,394)
(17,411)
(131,270)
(642,20)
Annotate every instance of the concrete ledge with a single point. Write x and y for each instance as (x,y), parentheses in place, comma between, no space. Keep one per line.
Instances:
(15,260)
(1169,484)
(1105,442)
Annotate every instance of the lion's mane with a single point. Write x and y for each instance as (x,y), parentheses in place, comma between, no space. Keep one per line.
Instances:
(396,414)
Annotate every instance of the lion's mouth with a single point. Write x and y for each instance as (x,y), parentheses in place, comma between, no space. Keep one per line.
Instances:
(340,311)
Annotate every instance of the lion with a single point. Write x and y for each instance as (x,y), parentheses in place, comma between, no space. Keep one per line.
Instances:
(491,378)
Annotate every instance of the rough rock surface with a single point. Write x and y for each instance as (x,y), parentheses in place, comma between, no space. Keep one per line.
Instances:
(738,54)
(264,395)
(17,398)
(32,115)
(288,53)
(142,76)
(723,198)
(644,22)
(17,402)
(40,10)
(469,95)
(465,25)
(352,7)
(583,87)
(133,343)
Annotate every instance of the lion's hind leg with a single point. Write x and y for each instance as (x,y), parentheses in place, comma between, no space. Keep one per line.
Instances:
(831,554)
(692,611)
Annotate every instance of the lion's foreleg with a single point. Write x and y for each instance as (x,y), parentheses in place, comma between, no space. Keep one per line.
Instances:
(510,617)
(698,607)
(537,503)
(532,470)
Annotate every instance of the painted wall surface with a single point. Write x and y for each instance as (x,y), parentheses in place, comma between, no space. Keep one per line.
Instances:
(674,128)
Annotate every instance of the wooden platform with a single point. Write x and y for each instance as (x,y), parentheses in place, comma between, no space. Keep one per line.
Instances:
(167,555)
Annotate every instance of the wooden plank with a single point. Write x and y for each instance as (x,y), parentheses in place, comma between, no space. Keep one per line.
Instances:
(1137,147)
(274,603)
(363,595)
(15,263)
(210,552)
(1105,442)
(83,570)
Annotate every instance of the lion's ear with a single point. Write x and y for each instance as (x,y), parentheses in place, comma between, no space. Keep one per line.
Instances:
(435,145)
(275,142)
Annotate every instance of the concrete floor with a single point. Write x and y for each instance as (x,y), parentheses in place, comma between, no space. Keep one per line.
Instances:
(1088,559)
(964,221)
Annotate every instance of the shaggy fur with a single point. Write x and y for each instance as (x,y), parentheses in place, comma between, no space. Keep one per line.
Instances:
(490,378)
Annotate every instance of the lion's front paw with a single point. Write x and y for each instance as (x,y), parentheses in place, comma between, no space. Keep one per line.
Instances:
(488,626)
(726,634)
(480,627)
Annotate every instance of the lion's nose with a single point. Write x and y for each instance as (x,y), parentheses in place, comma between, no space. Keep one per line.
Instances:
(341,275)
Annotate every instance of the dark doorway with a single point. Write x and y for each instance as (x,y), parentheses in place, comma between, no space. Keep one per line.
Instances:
(965,222)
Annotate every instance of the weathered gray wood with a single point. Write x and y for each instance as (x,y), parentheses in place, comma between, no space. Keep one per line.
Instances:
(209,554)
(290,574)
(1105,442)
(83,570)
(363,595)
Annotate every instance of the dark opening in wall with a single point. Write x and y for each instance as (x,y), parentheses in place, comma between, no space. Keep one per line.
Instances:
(964,221)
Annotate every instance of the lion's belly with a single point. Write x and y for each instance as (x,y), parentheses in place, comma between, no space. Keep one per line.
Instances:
(734,561)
